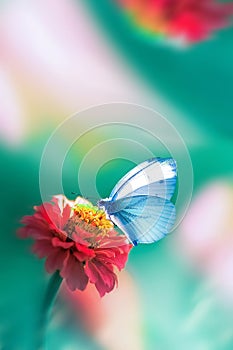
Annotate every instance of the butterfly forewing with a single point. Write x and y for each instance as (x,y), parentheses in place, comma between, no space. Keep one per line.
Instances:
(154,177)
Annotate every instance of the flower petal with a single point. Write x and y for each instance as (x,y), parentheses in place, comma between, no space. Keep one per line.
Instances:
(61,201)
(81,235)
(56,260)
(56,242)
(101,275)
(42,248)
(74,274)
(83,252)
(117,256)
(65,215)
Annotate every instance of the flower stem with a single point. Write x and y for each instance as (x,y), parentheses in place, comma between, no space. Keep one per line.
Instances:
(47,304)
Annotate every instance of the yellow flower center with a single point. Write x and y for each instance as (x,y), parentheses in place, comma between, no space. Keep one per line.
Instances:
(93,216)
(89,219)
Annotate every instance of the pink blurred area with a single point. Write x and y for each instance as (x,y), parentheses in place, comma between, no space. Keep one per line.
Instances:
(206,236)
(106,318)
(53,63)
(11,108)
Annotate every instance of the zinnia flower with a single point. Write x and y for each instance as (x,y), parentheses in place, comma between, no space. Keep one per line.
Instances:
(77,239)
(190,20)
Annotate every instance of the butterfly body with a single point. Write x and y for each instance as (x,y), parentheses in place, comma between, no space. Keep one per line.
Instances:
(140,203)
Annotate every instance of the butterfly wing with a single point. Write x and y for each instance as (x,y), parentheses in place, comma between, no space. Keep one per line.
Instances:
(143,219)
(154,177)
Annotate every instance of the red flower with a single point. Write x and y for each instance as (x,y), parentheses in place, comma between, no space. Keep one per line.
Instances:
(189,20)
(78,240)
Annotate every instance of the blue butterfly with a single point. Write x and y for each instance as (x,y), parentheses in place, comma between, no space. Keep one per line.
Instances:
(140,204)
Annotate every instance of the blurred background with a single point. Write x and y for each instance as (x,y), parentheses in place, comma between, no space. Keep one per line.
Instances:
(59,59)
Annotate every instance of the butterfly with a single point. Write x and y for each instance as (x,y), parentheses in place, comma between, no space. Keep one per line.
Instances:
(140,203)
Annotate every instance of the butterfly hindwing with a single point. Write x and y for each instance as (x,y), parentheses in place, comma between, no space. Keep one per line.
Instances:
(144,219)
(154,177)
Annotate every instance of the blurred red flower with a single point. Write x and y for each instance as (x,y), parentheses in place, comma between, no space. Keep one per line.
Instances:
(78,240)
(189,20)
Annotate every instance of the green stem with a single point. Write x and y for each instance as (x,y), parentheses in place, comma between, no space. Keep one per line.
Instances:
(48,301)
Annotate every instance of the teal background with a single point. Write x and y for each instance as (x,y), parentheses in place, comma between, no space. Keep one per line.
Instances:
(198,82)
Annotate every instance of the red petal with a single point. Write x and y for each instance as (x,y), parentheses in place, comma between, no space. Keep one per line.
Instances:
(35,233)
(101,275)
(103,288)
(74,274)
(113,240)
(23,232)
(91,272)
(116,256)
(108,253)
(82,257)
(83,252)
(51,214)
(56,260)
(81,235)
(65,215)
(56,242)
(42,248)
